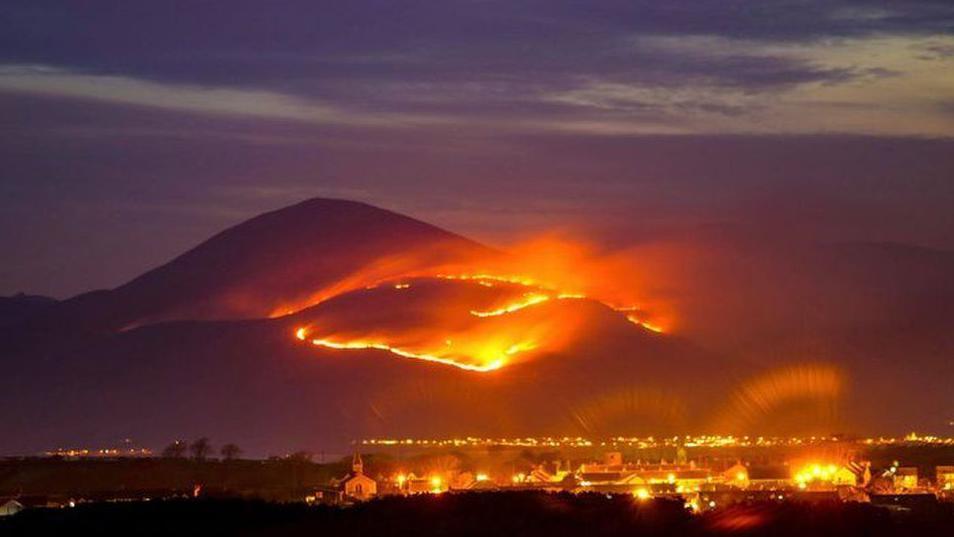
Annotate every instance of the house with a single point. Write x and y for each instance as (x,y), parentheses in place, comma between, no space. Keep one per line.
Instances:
(10,507)
(736,475)
(945,477)
(769,478)
(356,485)
(906,478)
(862,471)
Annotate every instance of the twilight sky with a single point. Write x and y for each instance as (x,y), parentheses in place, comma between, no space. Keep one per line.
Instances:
(130,131)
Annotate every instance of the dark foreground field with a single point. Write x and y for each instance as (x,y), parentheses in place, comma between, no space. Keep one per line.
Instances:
(484,514)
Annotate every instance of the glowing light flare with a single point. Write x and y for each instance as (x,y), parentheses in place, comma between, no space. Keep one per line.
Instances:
(816,472)
(757,398)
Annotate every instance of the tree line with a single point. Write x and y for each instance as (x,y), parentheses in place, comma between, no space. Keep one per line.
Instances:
(200,449)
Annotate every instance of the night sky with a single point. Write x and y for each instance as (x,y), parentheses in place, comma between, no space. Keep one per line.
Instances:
(130,131)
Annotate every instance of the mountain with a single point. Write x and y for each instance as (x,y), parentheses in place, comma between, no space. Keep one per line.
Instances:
(328,321)
(254,383)
(205,345)
(279,260)
(16,308)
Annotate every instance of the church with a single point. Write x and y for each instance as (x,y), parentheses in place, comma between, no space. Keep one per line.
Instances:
(356,485)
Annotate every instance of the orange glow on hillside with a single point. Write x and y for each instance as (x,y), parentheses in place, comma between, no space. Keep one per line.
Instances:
(564,267)
(352,345)
(529,299)
(648,326)
(512,296)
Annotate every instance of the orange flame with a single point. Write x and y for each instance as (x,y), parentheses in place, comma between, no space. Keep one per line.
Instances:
(489,365)
(529,299)
(534,274)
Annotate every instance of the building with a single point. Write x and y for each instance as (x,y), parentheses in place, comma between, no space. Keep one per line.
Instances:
(425,485)
(616,475)
(10,507)
(906,478)
(736,475)
(356,485)
(769,478)
(945,477)
(819,476)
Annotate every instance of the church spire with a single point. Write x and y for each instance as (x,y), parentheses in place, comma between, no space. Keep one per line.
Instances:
(356,465)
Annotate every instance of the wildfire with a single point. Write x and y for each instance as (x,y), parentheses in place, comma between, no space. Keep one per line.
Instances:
(648,326)
(533,298)
(366,345)
(488,280)
(529,299)
(438,331)
(479,348)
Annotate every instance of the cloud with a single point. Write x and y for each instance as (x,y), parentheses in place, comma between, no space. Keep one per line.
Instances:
(123,90)
(616,68)
(881,86)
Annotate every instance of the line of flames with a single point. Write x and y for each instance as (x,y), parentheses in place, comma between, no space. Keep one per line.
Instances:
(528,300)
(302,334)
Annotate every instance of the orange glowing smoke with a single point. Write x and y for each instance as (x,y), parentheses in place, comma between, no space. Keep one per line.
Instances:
(532,275)
(567,268)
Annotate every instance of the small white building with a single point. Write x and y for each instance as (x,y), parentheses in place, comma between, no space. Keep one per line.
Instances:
(10,507)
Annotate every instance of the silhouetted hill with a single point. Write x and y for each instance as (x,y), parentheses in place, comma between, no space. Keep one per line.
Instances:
(21,306)
(189,350)
(278,258)
(109,364)
(254,383)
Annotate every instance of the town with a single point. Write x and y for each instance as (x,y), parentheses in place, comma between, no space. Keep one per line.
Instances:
(704,473)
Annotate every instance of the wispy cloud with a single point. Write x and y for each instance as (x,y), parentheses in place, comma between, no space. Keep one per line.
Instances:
(252,103)
(692,84)
(877,86)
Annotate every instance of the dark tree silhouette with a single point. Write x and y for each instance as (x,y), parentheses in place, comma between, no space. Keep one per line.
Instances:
(175,450)
(201,449)
(301,457)
(230,451)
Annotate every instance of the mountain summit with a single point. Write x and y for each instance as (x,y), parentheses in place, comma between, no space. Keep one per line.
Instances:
(270,265)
